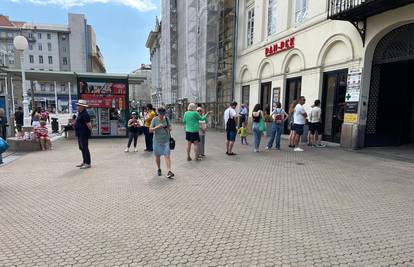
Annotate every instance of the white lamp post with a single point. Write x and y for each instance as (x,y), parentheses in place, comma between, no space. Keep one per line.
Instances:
(21,44)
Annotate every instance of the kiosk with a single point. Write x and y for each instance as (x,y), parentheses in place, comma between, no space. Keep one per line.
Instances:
(108,105)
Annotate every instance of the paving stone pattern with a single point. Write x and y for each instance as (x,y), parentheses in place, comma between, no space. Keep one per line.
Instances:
(323,207)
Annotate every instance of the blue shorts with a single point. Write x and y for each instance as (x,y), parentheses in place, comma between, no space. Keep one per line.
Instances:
(298,128)
(231,136)
(161,149)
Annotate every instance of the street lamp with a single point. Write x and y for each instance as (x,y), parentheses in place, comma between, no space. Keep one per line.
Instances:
(21,44)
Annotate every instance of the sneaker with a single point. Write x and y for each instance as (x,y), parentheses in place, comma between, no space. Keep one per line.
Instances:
(267,148)
(202,155)
(135,149)
(85,166)
(159,172)
(80,165)
(126,150)
(231,154)
(310,145)
(170,175)
(298,149)
(189,159)
(256,151)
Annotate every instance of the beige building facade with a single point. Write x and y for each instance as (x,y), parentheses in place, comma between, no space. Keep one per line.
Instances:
(288,49)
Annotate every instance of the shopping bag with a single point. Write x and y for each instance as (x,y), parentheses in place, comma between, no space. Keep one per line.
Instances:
(262,126)
(3,145)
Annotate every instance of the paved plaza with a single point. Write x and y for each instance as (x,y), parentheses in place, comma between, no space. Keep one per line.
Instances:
(323,207)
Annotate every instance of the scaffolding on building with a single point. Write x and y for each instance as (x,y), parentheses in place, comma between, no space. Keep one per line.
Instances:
(196,53)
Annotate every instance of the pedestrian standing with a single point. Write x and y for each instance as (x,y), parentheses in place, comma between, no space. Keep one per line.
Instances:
(202,133)
(161,128)
(290,123)
(230,117)
(191,123)
(244,113)
(147,120)
(299,120)
(83,129)
(3,124)
(18,118)
(134,127)
(315,128)
(243,134)
(257,115)
(279,116)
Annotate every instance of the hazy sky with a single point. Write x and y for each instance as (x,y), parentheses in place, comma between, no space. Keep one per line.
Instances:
(121,26)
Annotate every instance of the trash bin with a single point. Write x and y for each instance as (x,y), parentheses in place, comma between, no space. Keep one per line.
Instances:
(55,125)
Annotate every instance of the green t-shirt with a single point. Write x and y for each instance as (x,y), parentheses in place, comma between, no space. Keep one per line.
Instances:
(191,119)
(161,135)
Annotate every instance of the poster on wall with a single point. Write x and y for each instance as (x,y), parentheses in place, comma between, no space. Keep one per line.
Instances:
(109,101)
(276,96)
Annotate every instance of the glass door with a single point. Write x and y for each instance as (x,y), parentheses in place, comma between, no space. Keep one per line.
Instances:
(265,97)
(333,105)
(293,92)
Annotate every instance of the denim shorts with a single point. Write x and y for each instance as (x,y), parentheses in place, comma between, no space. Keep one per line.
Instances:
(161,149)
(231,136)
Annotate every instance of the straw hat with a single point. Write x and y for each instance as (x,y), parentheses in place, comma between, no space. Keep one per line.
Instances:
(82,102)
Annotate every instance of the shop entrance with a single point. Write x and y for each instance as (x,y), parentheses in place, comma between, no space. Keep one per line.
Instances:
(390,120)
(333,103)
(265,97)
(293,92)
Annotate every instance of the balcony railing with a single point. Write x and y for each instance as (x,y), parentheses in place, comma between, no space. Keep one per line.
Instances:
(337,7)
(362,9)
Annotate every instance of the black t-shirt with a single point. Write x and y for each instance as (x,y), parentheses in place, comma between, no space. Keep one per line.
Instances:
(18,117)
(81,128)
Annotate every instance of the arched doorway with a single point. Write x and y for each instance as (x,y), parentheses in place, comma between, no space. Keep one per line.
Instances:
(390,120)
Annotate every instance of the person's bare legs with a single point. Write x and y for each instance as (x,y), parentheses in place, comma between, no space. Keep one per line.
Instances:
(196,150)
(168,162)
(227,146)
(231,144)
(188,150)
(49,144)
(158,161)
(42,143)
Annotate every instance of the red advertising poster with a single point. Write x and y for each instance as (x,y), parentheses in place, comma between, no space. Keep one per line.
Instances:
(104,101)
(119,89)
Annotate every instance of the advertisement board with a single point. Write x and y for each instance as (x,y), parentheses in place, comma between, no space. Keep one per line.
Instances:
(108,102)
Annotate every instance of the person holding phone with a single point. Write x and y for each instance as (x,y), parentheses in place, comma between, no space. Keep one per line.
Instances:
(133,128)
(160,127)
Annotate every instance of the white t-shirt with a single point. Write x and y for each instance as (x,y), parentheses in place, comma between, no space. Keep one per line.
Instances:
(315,115)
(229,113)
(298,117)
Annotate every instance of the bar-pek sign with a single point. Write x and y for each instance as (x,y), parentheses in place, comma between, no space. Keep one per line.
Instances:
(280,47)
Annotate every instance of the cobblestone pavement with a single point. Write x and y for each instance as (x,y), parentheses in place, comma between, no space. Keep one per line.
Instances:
(323,207)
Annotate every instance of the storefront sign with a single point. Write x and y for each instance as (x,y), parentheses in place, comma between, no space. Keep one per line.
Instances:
(280,47)
(276,96)
(354,85)
(351,107)
(351,118)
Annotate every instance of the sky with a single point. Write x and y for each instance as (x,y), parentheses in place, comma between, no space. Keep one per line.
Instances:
(121,26)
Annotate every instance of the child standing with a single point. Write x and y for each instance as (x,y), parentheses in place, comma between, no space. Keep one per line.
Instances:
(43,135)
(243,134)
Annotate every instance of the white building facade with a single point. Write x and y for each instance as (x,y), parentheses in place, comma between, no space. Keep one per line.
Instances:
(288,49)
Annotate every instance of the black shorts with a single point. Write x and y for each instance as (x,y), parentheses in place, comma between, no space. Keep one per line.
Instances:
(192,137)
(315,127)
(298,128)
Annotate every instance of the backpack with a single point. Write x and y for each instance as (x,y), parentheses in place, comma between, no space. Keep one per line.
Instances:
(279,117)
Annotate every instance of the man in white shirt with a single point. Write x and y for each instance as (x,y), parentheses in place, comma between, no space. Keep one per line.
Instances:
(230,123)
(299,120)
(315,125)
